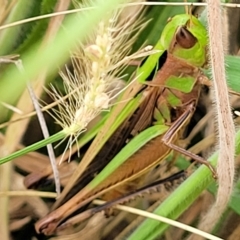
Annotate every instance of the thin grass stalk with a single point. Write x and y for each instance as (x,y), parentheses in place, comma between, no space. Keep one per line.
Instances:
(226,130)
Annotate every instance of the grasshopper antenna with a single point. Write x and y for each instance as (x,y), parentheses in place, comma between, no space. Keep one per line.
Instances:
(186,7)
(188,10)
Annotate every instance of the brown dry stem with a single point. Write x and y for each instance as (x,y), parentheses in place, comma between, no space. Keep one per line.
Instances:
(226,131)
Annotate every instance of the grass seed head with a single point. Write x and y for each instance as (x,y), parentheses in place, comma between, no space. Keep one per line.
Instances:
(96,64)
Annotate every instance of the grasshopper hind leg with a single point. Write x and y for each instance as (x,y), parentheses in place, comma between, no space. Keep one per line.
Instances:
(172,133)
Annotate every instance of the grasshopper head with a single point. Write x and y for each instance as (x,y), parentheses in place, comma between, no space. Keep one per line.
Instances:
(185,37)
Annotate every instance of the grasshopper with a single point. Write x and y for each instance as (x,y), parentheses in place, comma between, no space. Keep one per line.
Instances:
(169,100)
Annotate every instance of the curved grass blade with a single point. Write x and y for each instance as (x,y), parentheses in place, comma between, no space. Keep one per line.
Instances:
(132,147)
(179,200)
(55,54)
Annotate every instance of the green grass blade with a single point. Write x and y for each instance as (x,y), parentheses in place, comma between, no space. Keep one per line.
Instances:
(56,137)
(39,27)
(179,200)
(233,74)
(12,37)
(54,54)
(133,146)
(62,134)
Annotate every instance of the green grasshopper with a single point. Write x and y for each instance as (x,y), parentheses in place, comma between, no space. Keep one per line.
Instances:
(169,100)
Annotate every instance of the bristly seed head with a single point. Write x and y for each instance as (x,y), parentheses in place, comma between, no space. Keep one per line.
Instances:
(96,64)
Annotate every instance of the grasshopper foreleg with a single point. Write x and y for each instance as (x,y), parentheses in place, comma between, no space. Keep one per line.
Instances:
(207,82)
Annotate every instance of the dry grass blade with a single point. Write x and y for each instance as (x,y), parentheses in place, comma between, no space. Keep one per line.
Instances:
(162,219)
(225,167)
(51,31)
(13,135)
(6,7)
(45,132)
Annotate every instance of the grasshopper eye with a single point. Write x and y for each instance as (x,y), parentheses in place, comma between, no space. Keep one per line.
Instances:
(184,38)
